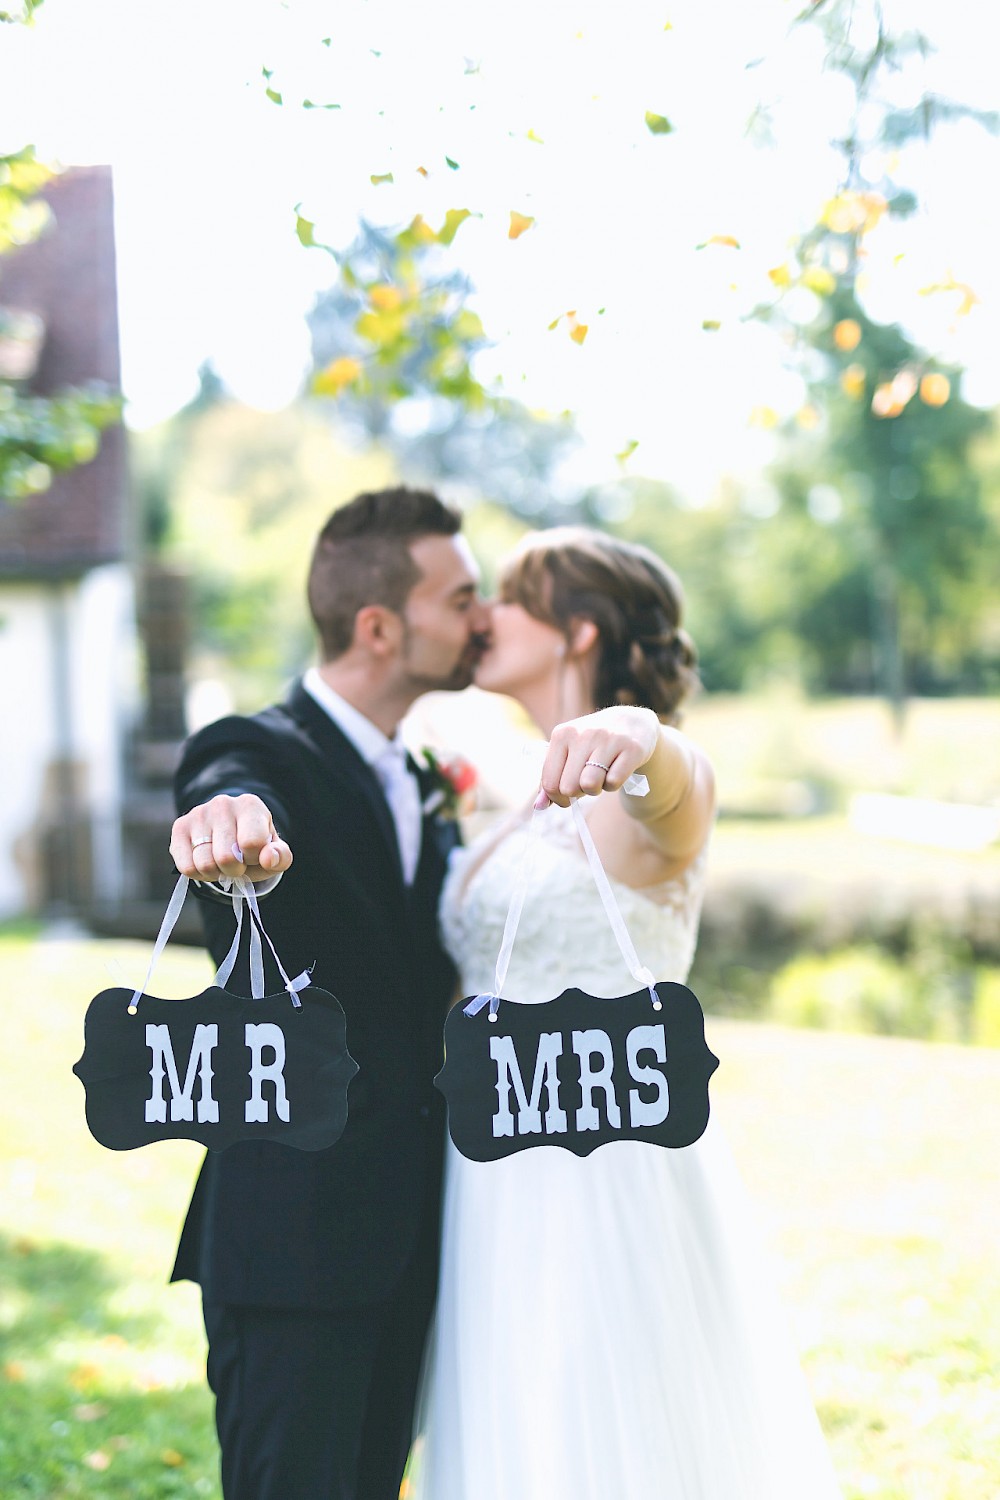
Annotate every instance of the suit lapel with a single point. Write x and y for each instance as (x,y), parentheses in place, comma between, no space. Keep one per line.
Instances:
(438,837)
(342,762)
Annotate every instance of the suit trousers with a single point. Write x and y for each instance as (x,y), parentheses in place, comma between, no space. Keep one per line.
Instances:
(319,1405)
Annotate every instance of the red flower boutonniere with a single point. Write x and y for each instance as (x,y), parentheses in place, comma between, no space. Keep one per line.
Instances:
(453,784)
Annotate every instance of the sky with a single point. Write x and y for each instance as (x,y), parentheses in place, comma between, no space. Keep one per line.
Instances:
(542,109)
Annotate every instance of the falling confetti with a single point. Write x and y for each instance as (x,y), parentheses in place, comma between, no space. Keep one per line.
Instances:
(847,334)
(658,124)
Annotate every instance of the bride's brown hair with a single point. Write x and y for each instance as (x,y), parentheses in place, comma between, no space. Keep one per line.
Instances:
(570,573)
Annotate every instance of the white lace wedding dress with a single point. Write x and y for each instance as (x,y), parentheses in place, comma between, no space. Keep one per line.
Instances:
(606,1328)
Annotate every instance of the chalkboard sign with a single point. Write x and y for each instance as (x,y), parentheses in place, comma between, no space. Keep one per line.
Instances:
(216,1069)
(577,1072)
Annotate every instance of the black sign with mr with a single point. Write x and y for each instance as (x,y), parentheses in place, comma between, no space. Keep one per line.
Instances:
(216,1069)
(577,1072)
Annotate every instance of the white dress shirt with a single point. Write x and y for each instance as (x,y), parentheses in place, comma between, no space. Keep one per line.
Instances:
(387,758)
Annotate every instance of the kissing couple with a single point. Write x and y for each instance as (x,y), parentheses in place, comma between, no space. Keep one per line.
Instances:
(542,1327)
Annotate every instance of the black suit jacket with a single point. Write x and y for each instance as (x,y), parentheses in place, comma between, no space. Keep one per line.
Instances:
(270,1225)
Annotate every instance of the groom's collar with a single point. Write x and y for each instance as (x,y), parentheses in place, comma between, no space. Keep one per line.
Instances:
(366,737)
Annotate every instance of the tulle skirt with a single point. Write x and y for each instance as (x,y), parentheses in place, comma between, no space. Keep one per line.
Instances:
(607,1329)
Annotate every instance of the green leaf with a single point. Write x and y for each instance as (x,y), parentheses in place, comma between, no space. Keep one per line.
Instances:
(453,221)
(304,228)
(658,124)
(467,326)
(274,96)
(452,164)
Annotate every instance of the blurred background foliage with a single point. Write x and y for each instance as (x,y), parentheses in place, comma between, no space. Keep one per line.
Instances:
(863,561)
(38,434)
(860,565)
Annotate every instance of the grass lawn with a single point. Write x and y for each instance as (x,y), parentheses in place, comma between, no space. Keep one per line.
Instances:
(872,1162)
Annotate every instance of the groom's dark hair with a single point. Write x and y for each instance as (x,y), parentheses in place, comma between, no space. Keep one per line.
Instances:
(362,556)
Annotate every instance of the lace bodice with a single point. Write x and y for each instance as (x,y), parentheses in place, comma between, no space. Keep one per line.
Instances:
(564,938)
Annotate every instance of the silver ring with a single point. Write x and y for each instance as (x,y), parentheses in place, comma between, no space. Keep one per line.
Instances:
(196,843)
(600,766)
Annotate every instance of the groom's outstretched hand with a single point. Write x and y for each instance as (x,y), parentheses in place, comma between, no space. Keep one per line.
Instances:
(229,837)
(597,753)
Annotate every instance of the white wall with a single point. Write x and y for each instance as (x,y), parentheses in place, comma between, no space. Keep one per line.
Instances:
(94,619)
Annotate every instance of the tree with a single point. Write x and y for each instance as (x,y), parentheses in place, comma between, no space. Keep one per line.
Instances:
(394,341)
(38,434)
(890,429)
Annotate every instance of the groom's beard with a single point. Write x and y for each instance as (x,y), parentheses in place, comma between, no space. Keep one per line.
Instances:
(460,676)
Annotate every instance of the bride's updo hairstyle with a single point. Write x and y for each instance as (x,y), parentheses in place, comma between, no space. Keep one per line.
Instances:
(570,573)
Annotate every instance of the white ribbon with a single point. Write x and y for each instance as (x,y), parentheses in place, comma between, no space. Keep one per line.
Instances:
(240,890)
(635,967)
(170,916)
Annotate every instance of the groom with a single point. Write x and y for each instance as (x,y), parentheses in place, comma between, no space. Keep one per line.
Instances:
(318,1269)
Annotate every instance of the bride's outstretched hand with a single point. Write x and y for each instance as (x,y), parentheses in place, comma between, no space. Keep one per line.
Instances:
(597,753)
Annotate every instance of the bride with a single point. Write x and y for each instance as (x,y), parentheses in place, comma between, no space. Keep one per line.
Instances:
(605,1329)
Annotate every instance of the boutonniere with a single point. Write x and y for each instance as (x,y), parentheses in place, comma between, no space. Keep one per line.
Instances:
(453,783)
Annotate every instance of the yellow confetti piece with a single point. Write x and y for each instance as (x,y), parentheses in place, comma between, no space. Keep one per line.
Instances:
(968,298)
(453,221)
(385,298)
(579,332)
(531,136)
(519,223)
(420,230)
(377,178)
(710,325)
(337,376)
(422,171)
(853,212)
(763,416)
(171,1458)
(884,403)
(780,275)
(853,381)
(658,124)
(847,334)
(626,453)
(819,280)
(719,239)
(935,389)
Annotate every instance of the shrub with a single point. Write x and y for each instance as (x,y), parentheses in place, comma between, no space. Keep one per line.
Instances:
(866,989)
